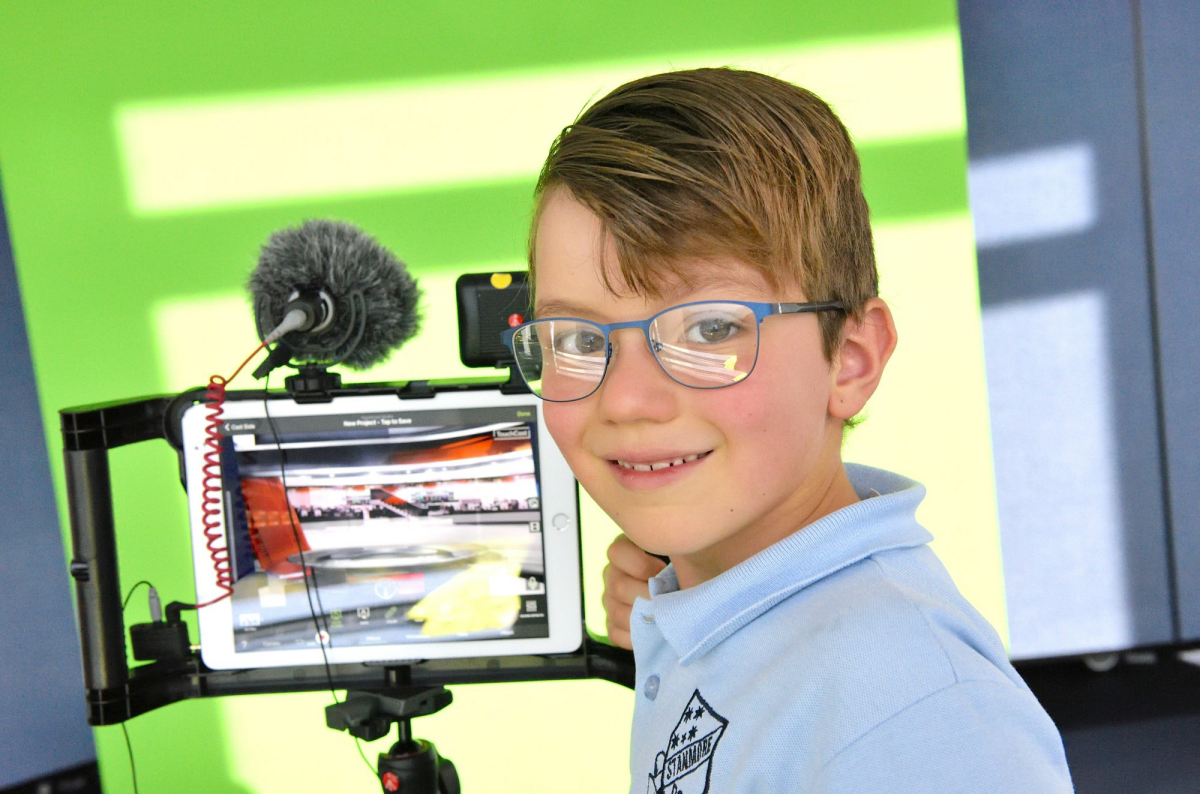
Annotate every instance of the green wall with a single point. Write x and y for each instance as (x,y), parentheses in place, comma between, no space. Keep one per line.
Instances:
(133,240)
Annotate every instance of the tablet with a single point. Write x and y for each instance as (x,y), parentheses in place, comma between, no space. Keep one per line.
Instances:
(377,529)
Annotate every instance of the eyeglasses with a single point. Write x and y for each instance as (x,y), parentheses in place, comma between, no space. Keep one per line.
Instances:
(702,345)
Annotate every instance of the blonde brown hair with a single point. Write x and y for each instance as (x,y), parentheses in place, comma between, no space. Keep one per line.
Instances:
(721,162)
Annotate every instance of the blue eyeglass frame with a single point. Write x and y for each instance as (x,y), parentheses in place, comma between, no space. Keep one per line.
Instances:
(761,312)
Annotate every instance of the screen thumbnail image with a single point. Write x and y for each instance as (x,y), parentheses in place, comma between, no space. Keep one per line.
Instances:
(404,536)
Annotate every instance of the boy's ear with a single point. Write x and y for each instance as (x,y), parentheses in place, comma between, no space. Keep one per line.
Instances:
(866,346)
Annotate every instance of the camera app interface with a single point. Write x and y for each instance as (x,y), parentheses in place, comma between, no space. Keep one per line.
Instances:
(396,528)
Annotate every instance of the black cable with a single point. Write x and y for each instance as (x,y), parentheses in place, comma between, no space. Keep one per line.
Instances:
(312,609)
(129,748)
(363,756)
(132,590)
(124,730)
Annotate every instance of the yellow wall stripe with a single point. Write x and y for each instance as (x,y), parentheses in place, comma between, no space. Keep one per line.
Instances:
(228,151)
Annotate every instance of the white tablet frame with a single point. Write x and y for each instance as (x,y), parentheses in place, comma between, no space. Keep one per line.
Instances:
(559,496)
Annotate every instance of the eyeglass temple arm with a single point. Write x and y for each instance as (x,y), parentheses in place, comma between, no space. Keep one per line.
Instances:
(820,306)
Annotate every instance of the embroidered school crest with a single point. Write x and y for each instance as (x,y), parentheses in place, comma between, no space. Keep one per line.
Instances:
(686,765)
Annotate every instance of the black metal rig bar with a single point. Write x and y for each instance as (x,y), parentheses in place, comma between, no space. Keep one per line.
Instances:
(94,568)
(88,434)
(157,684)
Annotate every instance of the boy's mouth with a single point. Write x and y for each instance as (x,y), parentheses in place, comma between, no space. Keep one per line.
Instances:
(661,464)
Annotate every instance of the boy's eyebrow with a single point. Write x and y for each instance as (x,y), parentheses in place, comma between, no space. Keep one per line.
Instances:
(556,308)
(674,293)
(682,290)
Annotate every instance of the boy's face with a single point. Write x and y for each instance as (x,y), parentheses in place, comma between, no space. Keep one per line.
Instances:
(770,448)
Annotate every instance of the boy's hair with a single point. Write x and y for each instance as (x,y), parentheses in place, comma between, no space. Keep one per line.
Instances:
(721,162)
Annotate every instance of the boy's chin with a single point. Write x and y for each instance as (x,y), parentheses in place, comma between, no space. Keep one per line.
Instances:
(668,530)
(653,540)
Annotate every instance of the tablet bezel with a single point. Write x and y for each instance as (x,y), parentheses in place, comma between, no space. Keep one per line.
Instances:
(559,495)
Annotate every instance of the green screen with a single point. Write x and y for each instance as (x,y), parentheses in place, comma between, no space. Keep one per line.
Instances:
(147,154)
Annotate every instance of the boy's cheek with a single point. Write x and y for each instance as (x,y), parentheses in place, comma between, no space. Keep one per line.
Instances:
(565,423)
(555,422)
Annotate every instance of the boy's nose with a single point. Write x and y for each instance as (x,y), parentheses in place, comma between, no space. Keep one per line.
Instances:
(635,386)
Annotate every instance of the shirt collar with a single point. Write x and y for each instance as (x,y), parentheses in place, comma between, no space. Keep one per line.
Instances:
(697,619)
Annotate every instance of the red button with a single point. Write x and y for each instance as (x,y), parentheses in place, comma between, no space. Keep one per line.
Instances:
(390,781)
(514,320)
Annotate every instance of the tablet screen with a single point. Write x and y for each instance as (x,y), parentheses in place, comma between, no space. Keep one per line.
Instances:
(392,528)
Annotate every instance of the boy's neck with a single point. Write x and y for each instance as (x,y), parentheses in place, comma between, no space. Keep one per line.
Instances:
(833,493)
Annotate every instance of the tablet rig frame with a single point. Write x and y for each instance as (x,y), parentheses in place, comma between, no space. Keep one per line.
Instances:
(378,694)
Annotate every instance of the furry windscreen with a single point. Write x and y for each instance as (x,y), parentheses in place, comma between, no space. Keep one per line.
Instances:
(374,297)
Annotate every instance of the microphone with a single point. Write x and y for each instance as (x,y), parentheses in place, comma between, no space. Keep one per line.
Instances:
(329,293)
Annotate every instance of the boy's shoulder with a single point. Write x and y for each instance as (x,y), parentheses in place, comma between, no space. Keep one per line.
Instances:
(861,644)
(825,638)
(910,671)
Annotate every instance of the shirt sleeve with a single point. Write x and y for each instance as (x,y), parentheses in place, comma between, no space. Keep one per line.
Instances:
(974,736)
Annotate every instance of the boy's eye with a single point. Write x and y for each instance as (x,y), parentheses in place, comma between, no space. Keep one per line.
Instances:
(579,342)
(712,330)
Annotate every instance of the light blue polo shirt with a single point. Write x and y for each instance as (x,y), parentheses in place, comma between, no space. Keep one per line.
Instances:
(841,659)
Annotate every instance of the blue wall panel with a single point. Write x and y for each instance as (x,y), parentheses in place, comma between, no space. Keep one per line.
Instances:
(1171,46)
(43,725)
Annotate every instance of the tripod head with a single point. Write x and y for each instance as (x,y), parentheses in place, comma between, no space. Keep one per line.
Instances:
(411,765)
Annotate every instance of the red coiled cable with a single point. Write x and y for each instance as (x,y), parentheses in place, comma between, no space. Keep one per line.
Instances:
(210,501)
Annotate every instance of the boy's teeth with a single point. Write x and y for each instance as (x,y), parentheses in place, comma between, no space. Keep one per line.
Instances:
(661,464)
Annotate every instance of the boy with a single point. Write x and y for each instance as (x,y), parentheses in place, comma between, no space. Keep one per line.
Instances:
(707,326)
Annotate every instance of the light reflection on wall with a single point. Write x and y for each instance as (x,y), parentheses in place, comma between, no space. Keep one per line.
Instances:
(208,153)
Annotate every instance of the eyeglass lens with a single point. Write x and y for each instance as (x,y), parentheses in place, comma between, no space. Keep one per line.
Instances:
(705,345)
